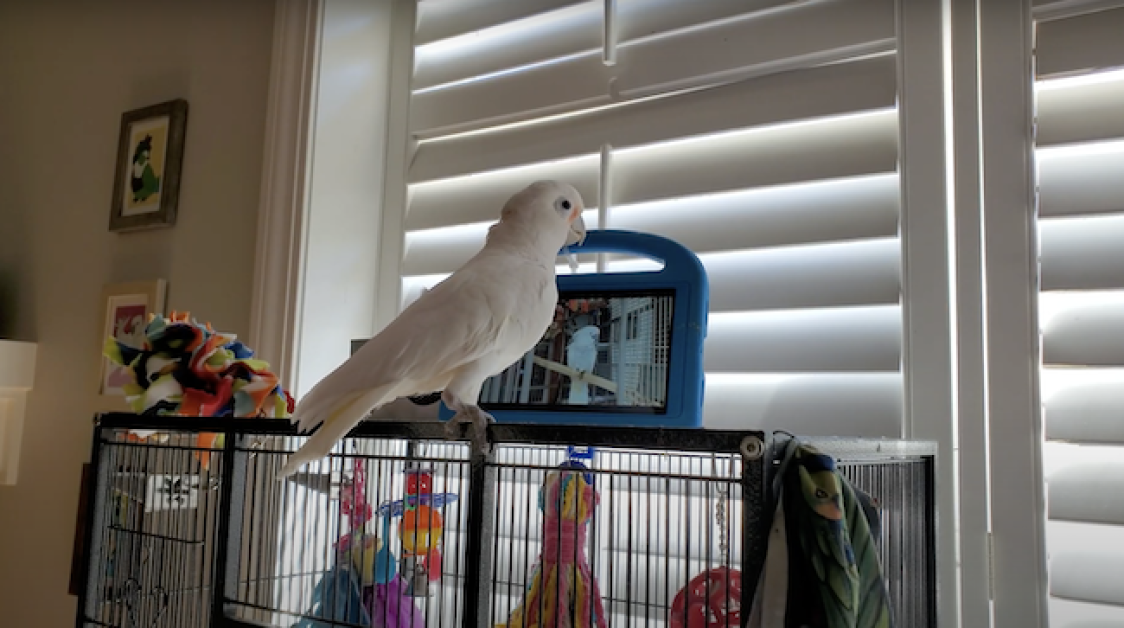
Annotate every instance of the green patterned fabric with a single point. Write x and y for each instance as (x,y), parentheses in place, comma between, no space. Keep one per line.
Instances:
(823,569)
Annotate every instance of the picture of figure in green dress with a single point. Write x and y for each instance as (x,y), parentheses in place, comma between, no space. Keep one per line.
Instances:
(144,175)
(144,183)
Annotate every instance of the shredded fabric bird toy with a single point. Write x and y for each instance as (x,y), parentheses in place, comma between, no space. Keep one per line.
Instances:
(563,592)
(188,369)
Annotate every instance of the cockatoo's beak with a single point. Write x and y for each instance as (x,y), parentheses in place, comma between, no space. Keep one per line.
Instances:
(577,232)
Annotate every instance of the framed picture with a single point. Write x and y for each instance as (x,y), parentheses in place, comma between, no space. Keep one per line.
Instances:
(149,159)
(124,317)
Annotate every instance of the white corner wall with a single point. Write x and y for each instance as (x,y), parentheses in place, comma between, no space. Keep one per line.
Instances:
(347,138)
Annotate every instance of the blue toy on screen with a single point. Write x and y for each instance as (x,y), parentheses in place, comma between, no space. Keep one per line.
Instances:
(625,348)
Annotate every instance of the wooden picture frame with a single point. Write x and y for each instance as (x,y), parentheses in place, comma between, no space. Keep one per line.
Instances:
(146,182)
(125,311)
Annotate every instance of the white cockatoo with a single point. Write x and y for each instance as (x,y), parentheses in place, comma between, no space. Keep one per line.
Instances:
(581,354)
(467,328)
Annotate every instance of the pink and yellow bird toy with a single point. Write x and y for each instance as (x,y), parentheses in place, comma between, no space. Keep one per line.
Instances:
(563,592)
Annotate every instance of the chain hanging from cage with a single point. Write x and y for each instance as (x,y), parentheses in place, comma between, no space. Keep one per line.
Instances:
(720,510)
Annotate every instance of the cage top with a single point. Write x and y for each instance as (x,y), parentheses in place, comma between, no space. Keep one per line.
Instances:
(671,439)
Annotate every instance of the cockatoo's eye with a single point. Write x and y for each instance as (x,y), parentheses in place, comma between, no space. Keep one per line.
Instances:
(563,205)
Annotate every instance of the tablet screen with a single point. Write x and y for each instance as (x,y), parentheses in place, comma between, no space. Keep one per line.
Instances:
(608,350)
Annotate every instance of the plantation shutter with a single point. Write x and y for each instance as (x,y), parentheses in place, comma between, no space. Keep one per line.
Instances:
(762,134)
(1080,159)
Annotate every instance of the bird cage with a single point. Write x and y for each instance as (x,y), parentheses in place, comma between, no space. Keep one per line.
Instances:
(546,526)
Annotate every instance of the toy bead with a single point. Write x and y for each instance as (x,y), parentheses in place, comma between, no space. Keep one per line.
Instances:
(419,483)
(433,564)
(420,529)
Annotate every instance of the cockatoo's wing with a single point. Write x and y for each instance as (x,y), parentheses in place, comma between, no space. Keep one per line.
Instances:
(582,356)
(581,353)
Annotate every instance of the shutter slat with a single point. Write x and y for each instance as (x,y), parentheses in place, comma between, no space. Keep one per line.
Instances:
(1086,407)
(835,211)
(1080,110)
(805,213)
(862,272)
(638,19)
(830,148)
(1084,329)
(436,251)
(1089,575)
(512,97)
(655,575)
(837,274)
(801,35)
(546,30)
(638,592)
(676,544)
(1081,182)
(804,35)
(1083,492)
(1087,329)
(799,95)
(822,404)
(858,339)
(556,34)
(1071,614)
(442,19)
(1079,44)
(412,285)
(1083,253)
(1085,566)
(479,198)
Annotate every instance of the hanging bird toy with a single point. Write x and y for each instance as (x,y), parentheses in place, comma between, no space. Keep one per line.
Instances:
(563,592)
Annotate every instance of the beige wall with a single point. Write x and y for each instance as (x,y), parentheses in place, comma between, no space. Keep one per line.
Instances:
(67,72)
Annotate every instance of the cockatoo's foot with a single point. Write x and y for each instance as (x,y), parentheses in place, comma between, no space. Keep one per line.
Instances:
(477,420)
(453,428)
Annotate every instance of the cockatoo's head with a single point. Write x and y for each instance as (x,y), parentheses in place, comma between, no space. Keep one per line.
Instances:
(550,207)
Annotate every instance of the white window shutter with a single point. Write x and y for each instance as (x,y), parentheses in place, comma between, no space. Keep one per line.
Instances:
(762,134)
(1080,160)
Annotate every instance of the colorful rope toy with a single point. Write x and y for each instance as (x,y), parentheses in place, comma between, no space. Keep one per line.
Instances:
(188,369)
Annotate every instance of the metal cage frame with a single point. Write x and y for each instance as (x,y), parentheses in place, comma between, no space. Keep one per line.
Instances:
(757,450)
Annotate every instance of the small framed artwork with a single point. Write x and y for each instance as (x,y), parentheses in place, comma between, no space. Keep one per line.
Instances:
(124,317)
(149,160)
